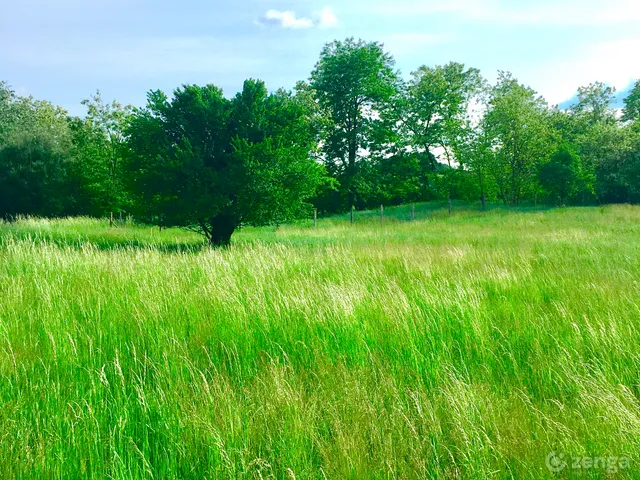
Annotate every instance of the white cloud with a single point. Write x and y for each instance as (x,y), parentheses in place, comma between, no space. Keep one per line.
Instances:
(286,19)
(326,18)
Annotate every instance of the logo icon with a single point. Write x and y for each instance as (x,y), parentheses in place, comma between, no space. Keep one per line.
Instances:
(556,462)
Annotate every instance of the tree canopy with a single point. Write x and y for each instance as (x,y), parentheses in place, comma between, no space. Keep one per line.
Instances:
(354,82)
(632,104)
(208,163)
(355,133)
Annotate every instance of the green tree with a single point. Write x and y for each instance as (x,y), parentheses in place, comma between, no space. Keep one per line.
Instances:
(211,164)
(354,82)
(609,150)
(594,103)
(436,105)
(7,115)
(561,175)
(34,151)
(631,167)
(478,157)
(99,141)
(516,124)
(435,113)
(600,142)
(632,105)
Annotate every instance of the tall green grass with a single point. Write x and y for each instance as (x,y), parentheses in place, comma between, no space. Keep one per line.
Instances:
(468,346)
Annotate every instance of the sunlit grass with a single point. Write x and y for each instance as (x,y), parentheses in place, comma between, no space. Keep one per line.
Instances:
(467,346)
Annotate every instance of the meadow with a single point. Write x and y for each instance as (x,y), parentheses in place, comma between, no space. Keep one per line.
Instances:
(467,346)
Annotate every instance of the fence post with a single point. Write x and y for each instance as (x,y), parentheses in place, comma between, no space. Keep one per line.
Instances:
(352,208)
(110,219)
(381,214)
(450,207)
(413,212)
(315,217)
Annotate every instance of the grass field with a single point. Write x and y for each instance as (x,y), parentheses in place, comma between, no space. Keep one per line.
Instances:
(470,346)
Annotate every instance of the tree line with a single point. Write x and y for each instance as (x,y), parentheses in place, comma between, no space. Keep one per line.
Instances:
(355,133)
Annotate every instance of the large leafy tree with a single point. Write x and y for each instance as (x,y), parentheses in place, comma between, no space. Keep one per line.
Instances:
(608,148)
(608,151)
(516,123)
(594,103)
(592,126)
(7,116)
(435,109)
(354,82)
(435,115)
(34,151)
(211,164)
(561,175)
(99,147)
(478,156)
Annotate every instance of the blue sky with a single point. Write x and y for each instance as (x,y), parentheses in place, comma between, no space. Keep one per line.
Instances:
(64,50)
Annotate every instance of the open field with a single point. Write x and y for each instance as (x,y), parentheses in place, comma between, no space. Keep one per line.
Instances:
(469,346)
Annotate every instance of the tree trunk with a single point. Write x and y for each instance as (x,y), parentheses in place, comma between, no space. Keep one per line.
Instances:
(219,229)
(482,194)
(351,192)
(351,163)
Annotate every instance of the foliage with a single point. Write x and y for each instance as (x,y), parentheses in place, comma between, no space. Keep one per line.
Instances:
(205,162)
(632,104)
(203,159)
(561,175)
(436,104)
(602,149)
(517,127)
(34,154)
(594,103)
(478,156)
(100,144)
(354,83)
